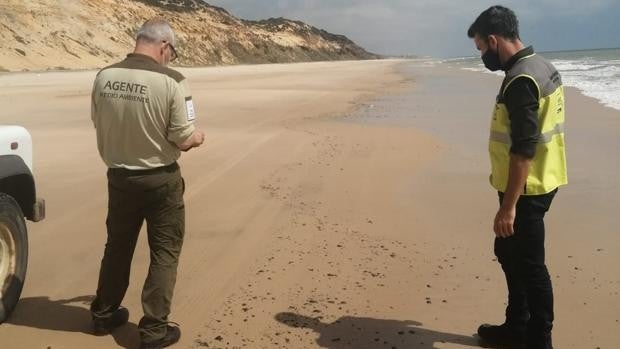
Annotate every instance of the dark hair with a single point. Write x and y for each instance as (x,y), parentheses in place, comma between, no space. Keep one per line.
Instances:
(496,20)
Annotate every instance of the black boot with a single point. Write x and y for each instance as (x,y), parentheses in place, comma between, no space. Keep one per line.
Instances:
(102,327)
(501,335)
(173,334)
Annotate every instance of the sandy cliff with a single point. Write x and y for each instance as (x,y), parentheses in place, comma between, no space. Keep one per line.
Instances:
(82,34)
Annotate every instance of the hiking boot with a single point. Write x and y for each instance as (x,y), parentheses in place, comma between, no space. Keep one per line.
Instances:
(102,327)
(173,334)
(501,335)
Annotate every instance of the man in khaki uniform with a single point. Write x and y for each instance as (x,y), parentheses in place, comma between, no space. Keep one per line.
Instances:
(144,117)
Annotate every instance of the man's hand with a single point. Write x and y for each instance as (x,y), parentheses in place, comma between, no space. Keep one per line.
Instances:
(517,176)
(194,141)
(504,222)
(200,138)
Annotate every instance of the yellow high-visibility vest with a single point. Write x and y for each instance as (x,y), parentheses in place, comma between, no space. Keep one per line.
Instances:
(548,168)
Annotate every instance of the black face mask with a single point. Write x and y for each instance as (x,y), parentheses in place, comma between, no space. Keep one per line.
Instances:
(491,60)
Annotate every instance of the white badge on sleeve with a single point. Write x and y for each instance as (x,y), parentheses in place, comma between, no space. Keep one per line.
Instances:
(189,105)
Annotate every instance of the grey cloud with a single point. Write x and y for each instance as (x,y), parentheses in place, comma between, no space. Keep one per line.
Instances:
(438,27)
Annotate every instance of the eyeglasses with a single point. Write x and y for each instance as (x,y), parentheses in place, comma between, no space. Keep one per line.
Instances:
(174,51)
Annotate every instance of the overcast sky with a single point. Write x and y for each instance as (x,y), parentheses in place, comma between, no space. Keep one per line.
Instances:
(438,27)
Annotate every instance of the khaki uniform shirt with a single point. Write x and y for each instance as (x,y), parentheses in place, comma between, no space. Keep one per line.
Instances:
(141,111)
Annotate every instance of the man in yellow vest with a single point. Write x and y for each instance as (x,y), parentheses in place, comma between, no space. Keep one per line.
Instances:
(528,164)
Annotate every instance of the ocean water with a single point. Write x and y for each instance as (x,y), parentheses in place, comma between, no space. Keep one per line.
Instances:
(596,73)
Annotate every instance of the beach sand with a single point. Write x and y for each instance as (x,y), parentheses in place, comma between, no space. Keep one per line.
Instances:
(334,205)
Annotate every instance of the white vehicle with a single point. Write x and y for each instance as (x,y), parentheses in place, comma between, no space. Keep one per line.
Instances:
(17,201)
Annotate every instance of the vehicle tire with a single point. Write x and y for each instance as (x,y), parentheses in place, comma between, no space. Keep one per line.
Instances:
(13,254)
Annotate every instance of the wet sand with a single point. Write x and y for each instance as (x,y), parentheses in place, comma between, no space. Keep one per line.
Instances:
(335,205)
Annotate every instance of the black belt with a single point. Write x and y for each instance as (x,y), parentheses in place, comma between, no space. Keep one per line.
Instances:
(127,172)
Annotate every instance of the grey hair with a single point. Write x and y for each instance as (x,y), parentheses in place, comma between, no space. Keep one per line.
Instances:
(156,30)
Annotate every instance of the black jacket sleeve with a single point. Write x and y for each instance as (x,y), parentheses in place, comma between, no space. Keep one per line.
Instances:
(521,99)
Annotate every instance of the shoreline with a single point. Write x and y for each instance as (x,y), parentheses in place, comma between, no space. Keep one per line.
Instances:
(568,82)
(388,59)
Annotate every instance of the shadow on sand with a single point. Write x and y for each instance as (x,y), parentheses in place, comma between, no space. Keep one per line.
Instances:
(66,315)
(367,333)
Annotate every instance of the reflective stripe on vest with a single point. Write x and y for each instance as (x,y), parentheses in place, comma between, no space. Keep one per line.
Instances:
(548,167)
(542,138)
